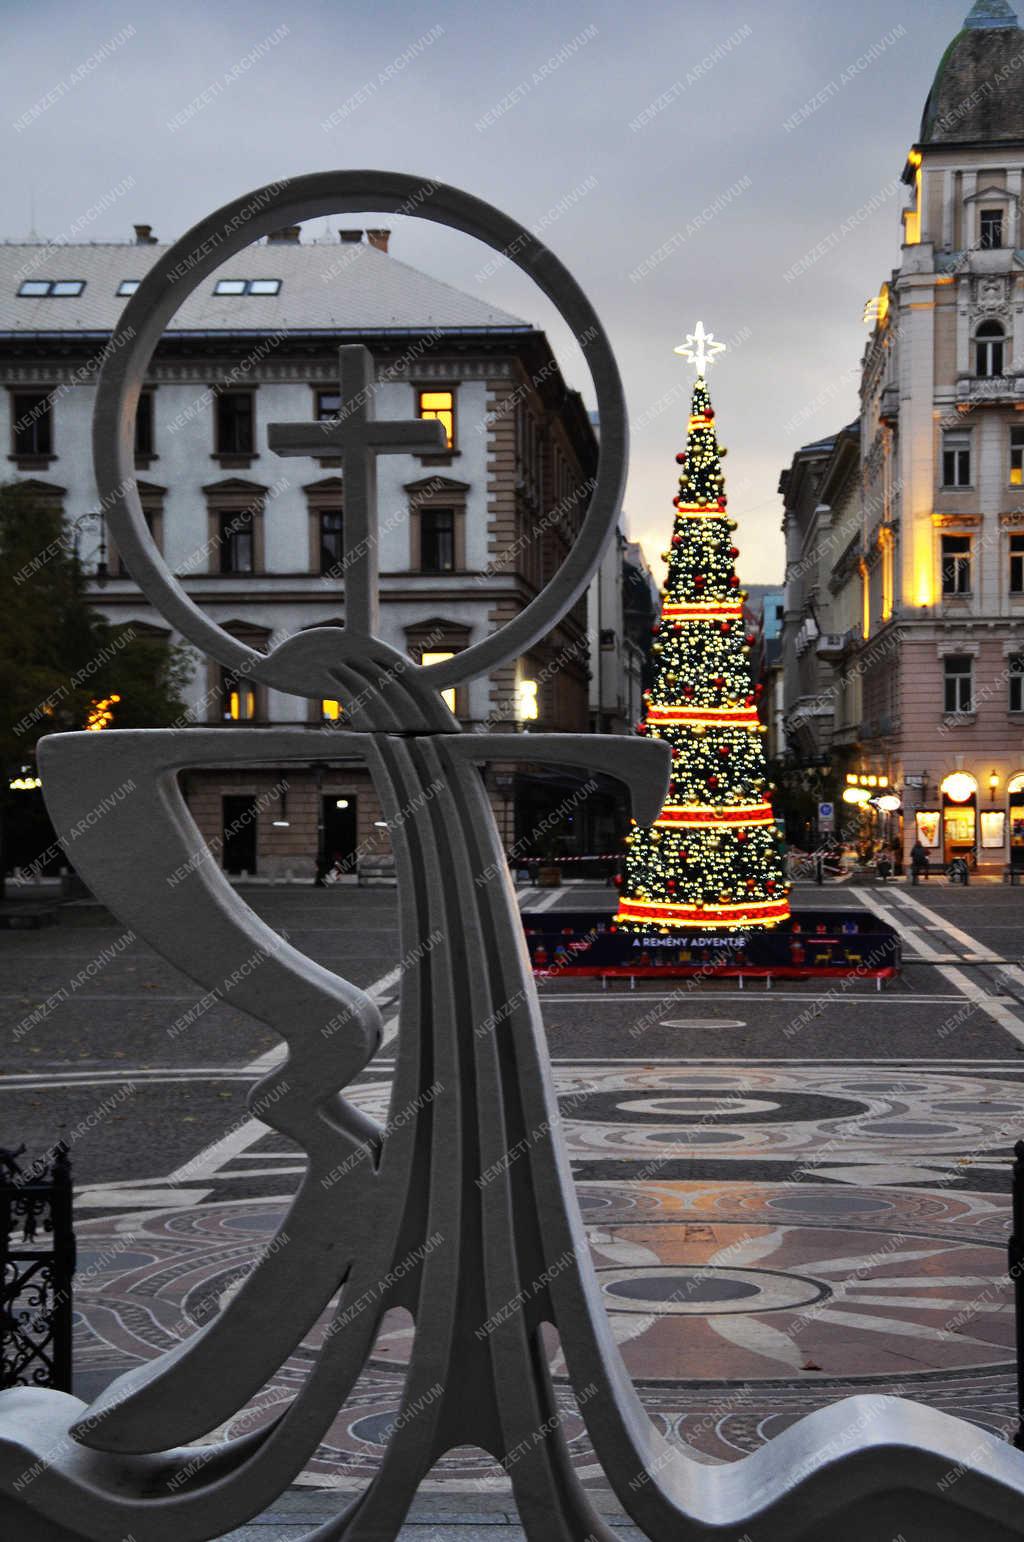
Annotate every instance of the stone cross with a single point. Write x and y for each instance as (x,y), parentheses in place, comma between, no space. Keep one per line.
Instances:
(359,438)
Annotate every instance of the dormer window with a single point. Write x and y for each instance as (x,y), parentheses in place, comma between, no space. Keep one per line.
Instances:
(990,233)
(55,288)
(247,286)
(989,344)
(128,286)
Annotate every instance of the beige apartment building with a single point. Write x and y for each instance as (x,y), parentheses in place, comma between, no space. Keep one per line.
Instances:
(468,536)
(905,557)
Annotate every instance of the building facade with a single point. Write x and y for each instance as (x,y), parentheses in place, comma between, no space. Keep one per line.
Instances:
(925,546)
(468,536)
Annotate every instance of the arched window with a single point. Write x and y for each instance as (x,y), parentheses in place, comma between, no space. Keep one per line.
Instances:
(989,345)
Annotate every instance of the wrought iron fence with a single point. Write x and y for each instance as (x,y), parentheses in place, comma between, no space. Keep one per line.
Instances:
(37,1264)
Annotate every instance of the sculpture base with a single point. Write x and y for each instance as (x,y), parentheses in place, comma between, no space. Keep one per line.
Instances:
(812,944)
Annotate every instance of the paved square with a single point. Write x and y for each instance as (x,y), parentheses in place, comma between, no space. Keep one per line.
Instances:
(791,1194)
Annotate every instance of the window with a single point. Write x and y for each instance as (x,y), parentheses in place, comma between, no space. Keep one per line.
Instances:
(328,405)
(440,405)
(439,657)
(1015,668)
(959,682)
(437,540)
(239,698)
(956,564)
(247,286)
(991,229)
(153,514)
(1017,564)
(128,285)
(332,542)
(57,288)
(331,711)
(235,423)
(144,425)
(989,342)
(956,459)
(235,535)
(33,423)
(1017,457)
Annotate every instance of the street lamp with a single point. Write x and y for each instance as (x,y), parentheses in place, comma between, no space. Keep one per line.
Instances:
(993,785)
(94,518)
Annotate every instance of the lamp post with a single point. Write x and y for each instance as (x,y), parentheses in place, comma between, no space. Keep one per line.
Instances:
(94,518)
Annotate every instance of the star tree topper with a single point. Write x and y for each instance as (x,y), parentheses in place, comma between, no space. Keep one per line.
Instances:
(700,348)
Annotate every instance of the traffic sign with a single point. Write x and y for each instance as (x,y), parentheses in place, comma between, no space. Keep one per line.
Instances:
(826,816)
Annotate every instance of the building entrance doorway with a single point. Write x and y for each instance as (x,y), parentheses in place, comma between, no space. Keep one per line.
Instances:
(340,826)
(238,833)
(959,817)
(1017,822)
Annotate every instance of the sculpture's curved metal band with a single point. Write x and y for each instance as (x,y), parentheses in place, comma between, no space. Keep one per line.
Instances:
(191,261)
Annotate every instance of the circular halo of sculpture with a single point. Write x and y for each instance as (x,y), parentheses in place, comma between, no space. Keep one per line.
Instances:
(231,229)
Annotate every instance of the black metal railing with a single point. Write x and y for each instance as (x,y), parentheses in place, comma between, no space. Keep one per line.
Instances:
(37,1265)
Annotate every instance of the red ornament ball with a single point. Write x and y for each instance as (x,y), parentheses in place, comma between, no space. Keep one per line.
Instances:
(734,551)
(681,458)
(677,540)
(655,629)
(723,750)
(770,886)
(671,886)
(725,627)
(719,680)
(712,781)
(733,581)
(741,835)
(617,880)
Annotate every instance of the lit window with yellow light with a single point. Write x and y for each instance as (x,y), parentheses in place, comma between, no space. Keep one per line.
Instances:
(1017,457)
(239,699)
(527,701)
(440,406)
(332,711)
(436,657)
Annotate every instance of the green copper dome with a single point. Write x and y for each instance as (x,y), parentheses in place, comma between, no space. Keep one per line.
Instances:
(978,91)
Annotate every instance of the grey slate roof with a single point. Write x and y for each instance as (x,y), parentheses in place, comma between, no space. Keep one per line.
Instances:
(978,91)
(346,287)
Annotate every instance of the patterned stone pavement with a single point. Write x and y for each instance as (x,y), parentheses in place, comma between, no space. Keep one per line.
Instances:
(739,1306)
(790,1195)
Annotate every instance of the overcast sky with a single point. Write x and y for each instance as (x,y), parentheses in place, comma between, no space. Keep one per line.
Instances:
(681,159)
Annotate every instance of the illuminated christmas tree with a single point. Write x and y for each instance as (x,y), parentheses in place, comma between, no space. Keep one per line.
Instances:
(712,859)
